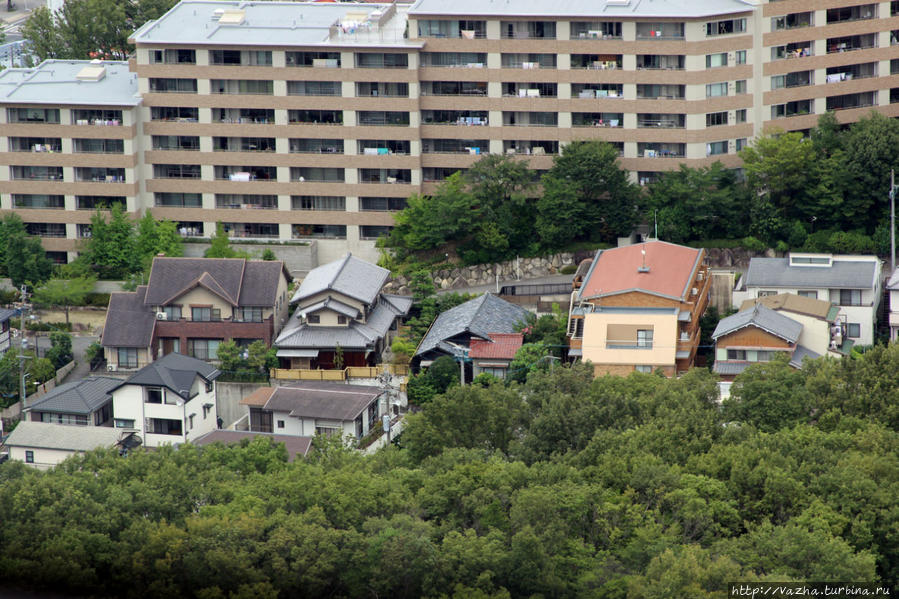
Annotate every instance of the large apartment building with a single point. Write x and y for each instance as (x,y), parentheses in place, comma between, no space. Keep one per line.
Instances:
(315,121)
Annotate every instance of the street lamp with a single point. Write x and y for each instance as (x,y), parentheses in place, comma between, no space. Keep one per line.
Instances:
(892,221)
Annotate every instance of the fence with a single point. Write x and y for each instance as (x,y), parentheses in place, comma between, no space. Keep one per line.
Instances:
(351,372)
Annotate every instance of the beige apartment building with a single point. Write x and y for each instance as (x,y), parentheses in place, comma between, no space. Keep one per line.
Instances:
(304,121)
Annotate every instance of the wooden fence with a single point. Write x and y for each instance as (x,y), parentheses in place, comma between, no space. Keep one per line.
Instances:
(351,372)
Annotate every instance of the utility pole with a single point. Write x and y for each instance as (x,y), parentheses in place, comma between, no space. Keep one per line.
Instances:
(892,221)
(22,357)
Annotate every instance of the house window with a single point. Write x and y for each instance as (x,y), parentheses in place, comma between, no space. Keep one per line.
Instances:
(742,142)
(811,294)
(172,312)
(29,456)
(124,423)
(164,426)
(280,424)
(206,408)
(767,293)
(127,357)
(764,355)
(203,349)
(736,354)
(740,86)
(643,368)
(154,395)
(740,116)
(341,319)
(725,27)
(714,119)
(644,338)
(715,148)
(190,421)
(208,390)
(327,431)
(714,90)
(250,314)
(850,297)
(854,330)
(716,60)
(313,319)
(76,419)
(495,372)
(205,314)
(741,57)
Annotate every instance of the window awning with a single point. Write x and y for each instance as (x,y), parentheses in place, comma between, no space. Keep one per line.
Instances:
(297,353)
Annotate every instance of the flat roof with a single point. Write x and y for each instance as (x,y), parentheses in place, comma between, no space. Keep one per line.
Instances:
(56,82)
(581,9)
(203,22)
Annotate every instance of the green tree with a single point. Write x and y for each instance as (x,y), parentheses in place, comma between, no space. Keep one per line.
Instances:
(43,35)
(443,373)
(338,357)
(228,355)
(60,352)
(260,358)
(220,245)
(268,255)
(769,395)
(871,149)
(66,293)
(112,247)
(529,357)
(26,260)
(40,370)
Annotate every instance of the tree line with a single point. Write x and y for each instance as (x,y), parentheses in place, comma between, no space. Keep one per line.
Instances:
(561,486)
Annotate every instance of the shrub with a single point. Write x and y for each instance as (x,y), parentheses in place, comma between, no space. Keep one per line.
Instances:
(568,269)
(753,245)
(96,299)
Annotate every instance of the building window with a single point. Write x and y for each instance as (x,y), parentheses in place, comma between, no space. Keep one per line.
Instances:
(714,119)
(341,319)
(205,314)
(740,56)
(206,407)
(495,372)
(164,426)
(190,422)
(203,349)
(327,431)
(643,368)
(644,338)
(811,294)
(714,90)
(127,357)
(740,86)
(313,319)
(716,147)
(76,419)
(725,27)
(736,354)
(249,314)
(124,423)
(716,60)
(154,395)
(854,330)
(280,424)
(767,293)
(764,355)
(208,390)
(742,143)
(850,297)
(29,456)
(740,116)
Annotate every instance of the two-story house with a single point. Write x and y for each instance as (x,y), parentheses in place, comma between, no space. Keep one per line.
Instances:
(851,282)
(191,305)
(638,308)
(5,316)
(87,402)
(43,445)
(340,309)
(170,400)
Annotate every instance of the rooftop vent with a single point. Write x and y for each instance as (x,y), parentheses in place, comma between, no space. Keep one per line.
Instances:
(643,268)
(93,72)
(232,17)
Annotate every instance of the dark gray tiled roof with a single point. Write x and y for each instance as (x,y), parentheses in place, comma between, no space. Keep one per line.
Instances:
(239,282)
(295,446)
(332,304)
(762,317)
(480,317)
(6,314)
(843,274)
(729,368)
(78,397)
(128,321)
(802,352)
(66,437)
(175,372)
(329,401)
(260,282)
(350,276)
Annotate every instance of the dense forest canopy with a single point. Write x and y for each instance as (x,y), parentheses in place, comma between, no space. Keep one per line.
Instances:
(564,486)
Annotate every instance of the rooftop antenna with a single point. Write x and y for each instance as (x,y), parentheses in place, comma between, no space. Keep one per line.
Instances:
(643,268)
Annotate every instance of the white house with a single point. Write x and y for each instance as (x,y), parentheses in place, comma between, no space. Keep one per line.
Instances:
(44,445)
(851,282)
(171,400)
(893,286)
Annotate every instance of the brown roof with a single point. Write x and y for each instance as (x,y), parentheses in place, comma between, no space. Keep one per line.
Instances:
(316,399)
(238,281)
(258,397)
(295,445)
(670,270)
(791,302)
(128,322)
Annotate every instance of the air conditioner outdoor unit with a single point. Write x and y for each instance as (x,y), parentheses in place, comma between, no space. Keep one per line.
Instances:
(111,367)
(699,276)
(161,316)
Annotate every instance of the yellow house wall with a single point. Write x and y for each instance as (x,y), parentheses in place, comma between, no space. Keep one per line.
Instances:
(664,345)
(201,297)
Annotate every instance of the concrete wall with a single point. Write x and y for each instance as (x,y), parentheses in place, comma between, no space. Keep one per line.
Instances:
(299,259)
(227,400)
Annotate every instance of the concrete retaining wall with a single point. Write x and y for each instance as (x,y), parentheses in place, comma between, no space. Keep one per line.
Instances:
(299,259)
(227,400)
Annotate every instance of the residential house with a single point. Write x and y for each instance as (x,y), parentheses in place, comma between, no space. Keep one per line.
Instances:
(341,306)
(316,408)
(893,287)
(44,445)
(87,402)
(453,332)
(191,305)
(823,323)
(851,282)
(493,356)
(5,339)
(170,400)
(638,308)
(295,446)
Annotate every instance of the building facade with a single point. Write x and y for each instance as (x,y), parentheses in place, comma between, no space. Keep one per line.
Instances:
(315,121)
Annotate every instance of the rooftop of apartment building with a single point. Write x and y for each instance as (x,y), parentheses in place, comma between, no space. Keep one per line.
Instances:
(72,82)
(278,24)
(581,8)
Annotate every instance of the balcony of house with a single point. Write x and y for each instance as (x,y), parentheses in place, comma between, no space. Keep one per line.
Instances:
(243,144)
(314,88)
(100,174)
(327,60)
(590,91)
(240,58)
(381,60)
(847,14)
(381,204)
(597,119)
(894,95)
(455,117)
(315,117)
(36,201)
(169,85)
(399,176)
(176,171)
(251,230)
(471,60)
(528,61)
(366,89)
(179,143)
(241,87)
(83,231)
(660,31)
(372,232)
(848,101)
(530,119)
(627,336)
(318,203)
(315,146)
(452,29)
(98,146)
(455,146)
(530,90)
(796,20)
(790,109)
(173,56)
(793,50)
(531,147)
(661,62)
(383,147)
(35,173)
(382,118)
(246,116)
(836,45)
(177,200)
(650,91)
(661,150)
(56,230)
(528,30)
(796,79)
(597,62)
(852,72)
(661,120)
(33,116)
(35,144)
(305,174)
(454,88)
(437,174)
(234,201)
(595,30)
(311,231)
(245,173)
(177,114)
(109,118)
(189,228)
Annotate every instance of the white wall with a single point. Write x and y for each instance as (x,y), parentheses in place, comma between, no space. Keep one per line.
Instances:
(43,458)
